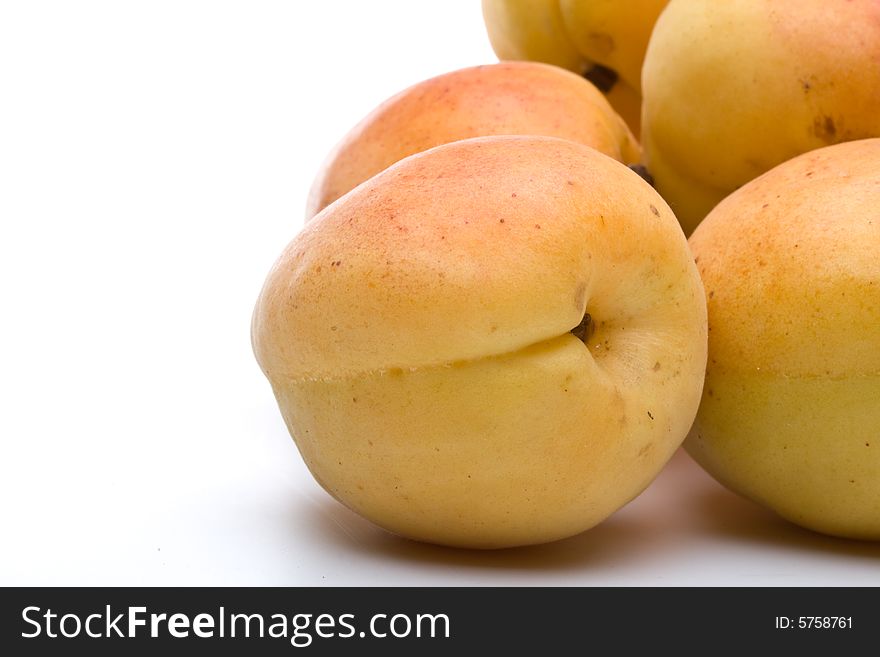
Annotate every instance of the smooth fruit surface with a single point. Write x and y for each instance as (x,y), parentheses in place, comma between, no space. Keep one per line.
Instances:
(532,30)
(790,415)
(595,38)
(510,98)
(731,89)
(613,33)
(419,336)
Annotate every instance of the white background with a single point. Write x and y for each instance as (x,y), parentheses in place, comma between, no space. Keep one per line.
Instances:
(154,160)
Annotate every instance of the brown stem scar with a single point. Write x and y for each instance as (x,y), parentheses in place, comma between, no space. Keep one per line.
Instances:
(602,77)
(643,172)
(585,329)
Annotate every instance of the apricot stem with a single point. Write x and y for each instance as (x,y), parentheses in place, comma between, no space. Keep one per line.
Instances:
(585,329)
(602,77)
(643,172)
